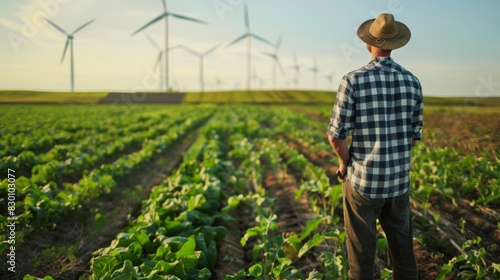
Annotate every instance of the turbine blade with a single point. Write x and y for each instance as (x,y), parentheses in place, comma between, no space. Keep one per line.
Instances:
(149,23)
(152,42)
(211,50)
(57,27)
(278,44)
(187,18)
(268,54)
(247,20)
(280,66)
(261,39)
(65,49)
(82,27)
(175,47)
(158,60)
(189,50)
(237,40)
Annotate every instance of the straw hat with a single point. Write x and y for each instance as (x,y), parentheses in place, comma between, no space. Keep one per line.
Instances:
(384,32)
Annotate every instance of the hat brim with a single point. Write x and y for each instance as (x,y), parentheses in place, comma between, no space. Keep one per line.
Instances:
(400,40)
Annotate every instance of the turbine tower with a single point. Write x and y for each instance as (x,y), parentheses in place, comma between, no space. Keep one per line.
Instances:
(165,16)
(69,42)
(296,67)
(315,71)
(248,36)
(218,82)
(276,60)
(201,56)
(258,78)
(158,60)
(330,79)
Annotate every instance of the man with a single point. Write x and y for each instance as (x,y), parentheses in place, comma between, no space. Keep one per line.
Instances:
(382,104)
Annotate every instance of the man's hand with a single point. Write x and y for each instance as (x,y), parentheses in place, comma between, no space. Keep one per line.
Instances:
(340,176)
(340,148)
(342,170)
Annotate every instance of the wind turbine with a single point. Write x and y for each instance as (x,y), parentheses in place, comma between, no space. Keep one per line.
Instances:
(296,67)
(218,82)
(69,41)
(165,16)
(248,36)
(258,78)
(158,60)
(201,56)
(276,61)
(315,71)
(330,79)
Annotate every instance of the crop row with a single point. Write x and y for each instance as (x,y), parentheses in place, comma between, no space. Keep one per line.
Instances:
(82,145)
(51,125)
(176,234)
(84,156)
(44,205)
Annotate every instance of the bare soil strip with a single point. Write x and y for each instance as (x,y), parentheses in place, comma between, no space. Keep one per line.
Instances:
(292,214)
(65,252)
(231,256)
(142,98)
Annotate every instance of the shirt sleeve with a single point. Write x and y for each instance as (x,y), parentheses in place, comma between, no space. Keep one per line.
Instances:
(417,118)
(342,118)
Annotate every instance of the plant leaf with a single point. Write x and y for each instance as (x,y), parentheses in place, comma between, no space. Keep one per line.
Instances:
(315,241)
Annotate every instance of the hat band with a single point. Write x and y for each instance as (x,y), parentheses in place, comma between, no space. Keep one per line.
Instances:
(382,35)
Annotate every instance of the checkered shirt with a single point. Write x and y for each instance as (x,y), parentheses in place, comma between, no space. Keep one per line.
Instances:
(382,104)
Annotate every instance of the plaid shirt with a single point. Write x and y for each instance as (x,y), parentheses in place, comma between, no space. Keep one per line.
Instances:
(383,104)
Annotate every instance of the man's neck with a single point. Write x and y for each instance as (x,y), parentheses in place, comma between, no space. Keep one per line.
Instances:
(374,56)
(378,52)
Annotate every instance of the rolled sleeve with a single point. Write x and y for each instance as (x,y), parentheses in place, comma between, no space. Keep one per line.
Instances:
(342,118)
(417,119)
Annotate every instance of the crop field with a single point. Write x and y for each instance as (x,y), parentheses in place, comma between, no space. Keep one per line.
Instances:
(198,191)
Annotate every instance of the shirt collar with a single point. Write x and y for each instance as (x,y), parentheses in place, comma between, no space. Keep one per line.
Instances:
(382,61)
(382,58)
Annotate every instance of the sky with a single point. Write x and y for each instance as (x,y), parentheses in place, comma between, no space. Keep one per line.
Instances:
(453,49)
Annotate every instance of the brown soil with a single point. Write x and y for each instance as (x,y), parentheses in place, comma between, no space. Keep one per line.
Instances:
(231,256)
(320,158)
(475,225)
(142,98)
(292,214)
(468,133)
(65,252)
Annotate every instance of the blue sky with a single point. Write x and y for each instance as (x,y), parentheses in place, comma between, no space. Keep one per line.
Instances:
(453,50)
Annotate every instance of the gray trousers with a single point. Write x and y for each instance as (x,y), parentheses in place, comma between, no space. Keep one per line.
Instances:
(360,216)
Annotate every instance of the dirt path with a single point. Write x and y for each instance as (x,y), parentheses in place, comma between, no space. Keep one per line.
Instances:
(65,252)
(231,256)
(292,214)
